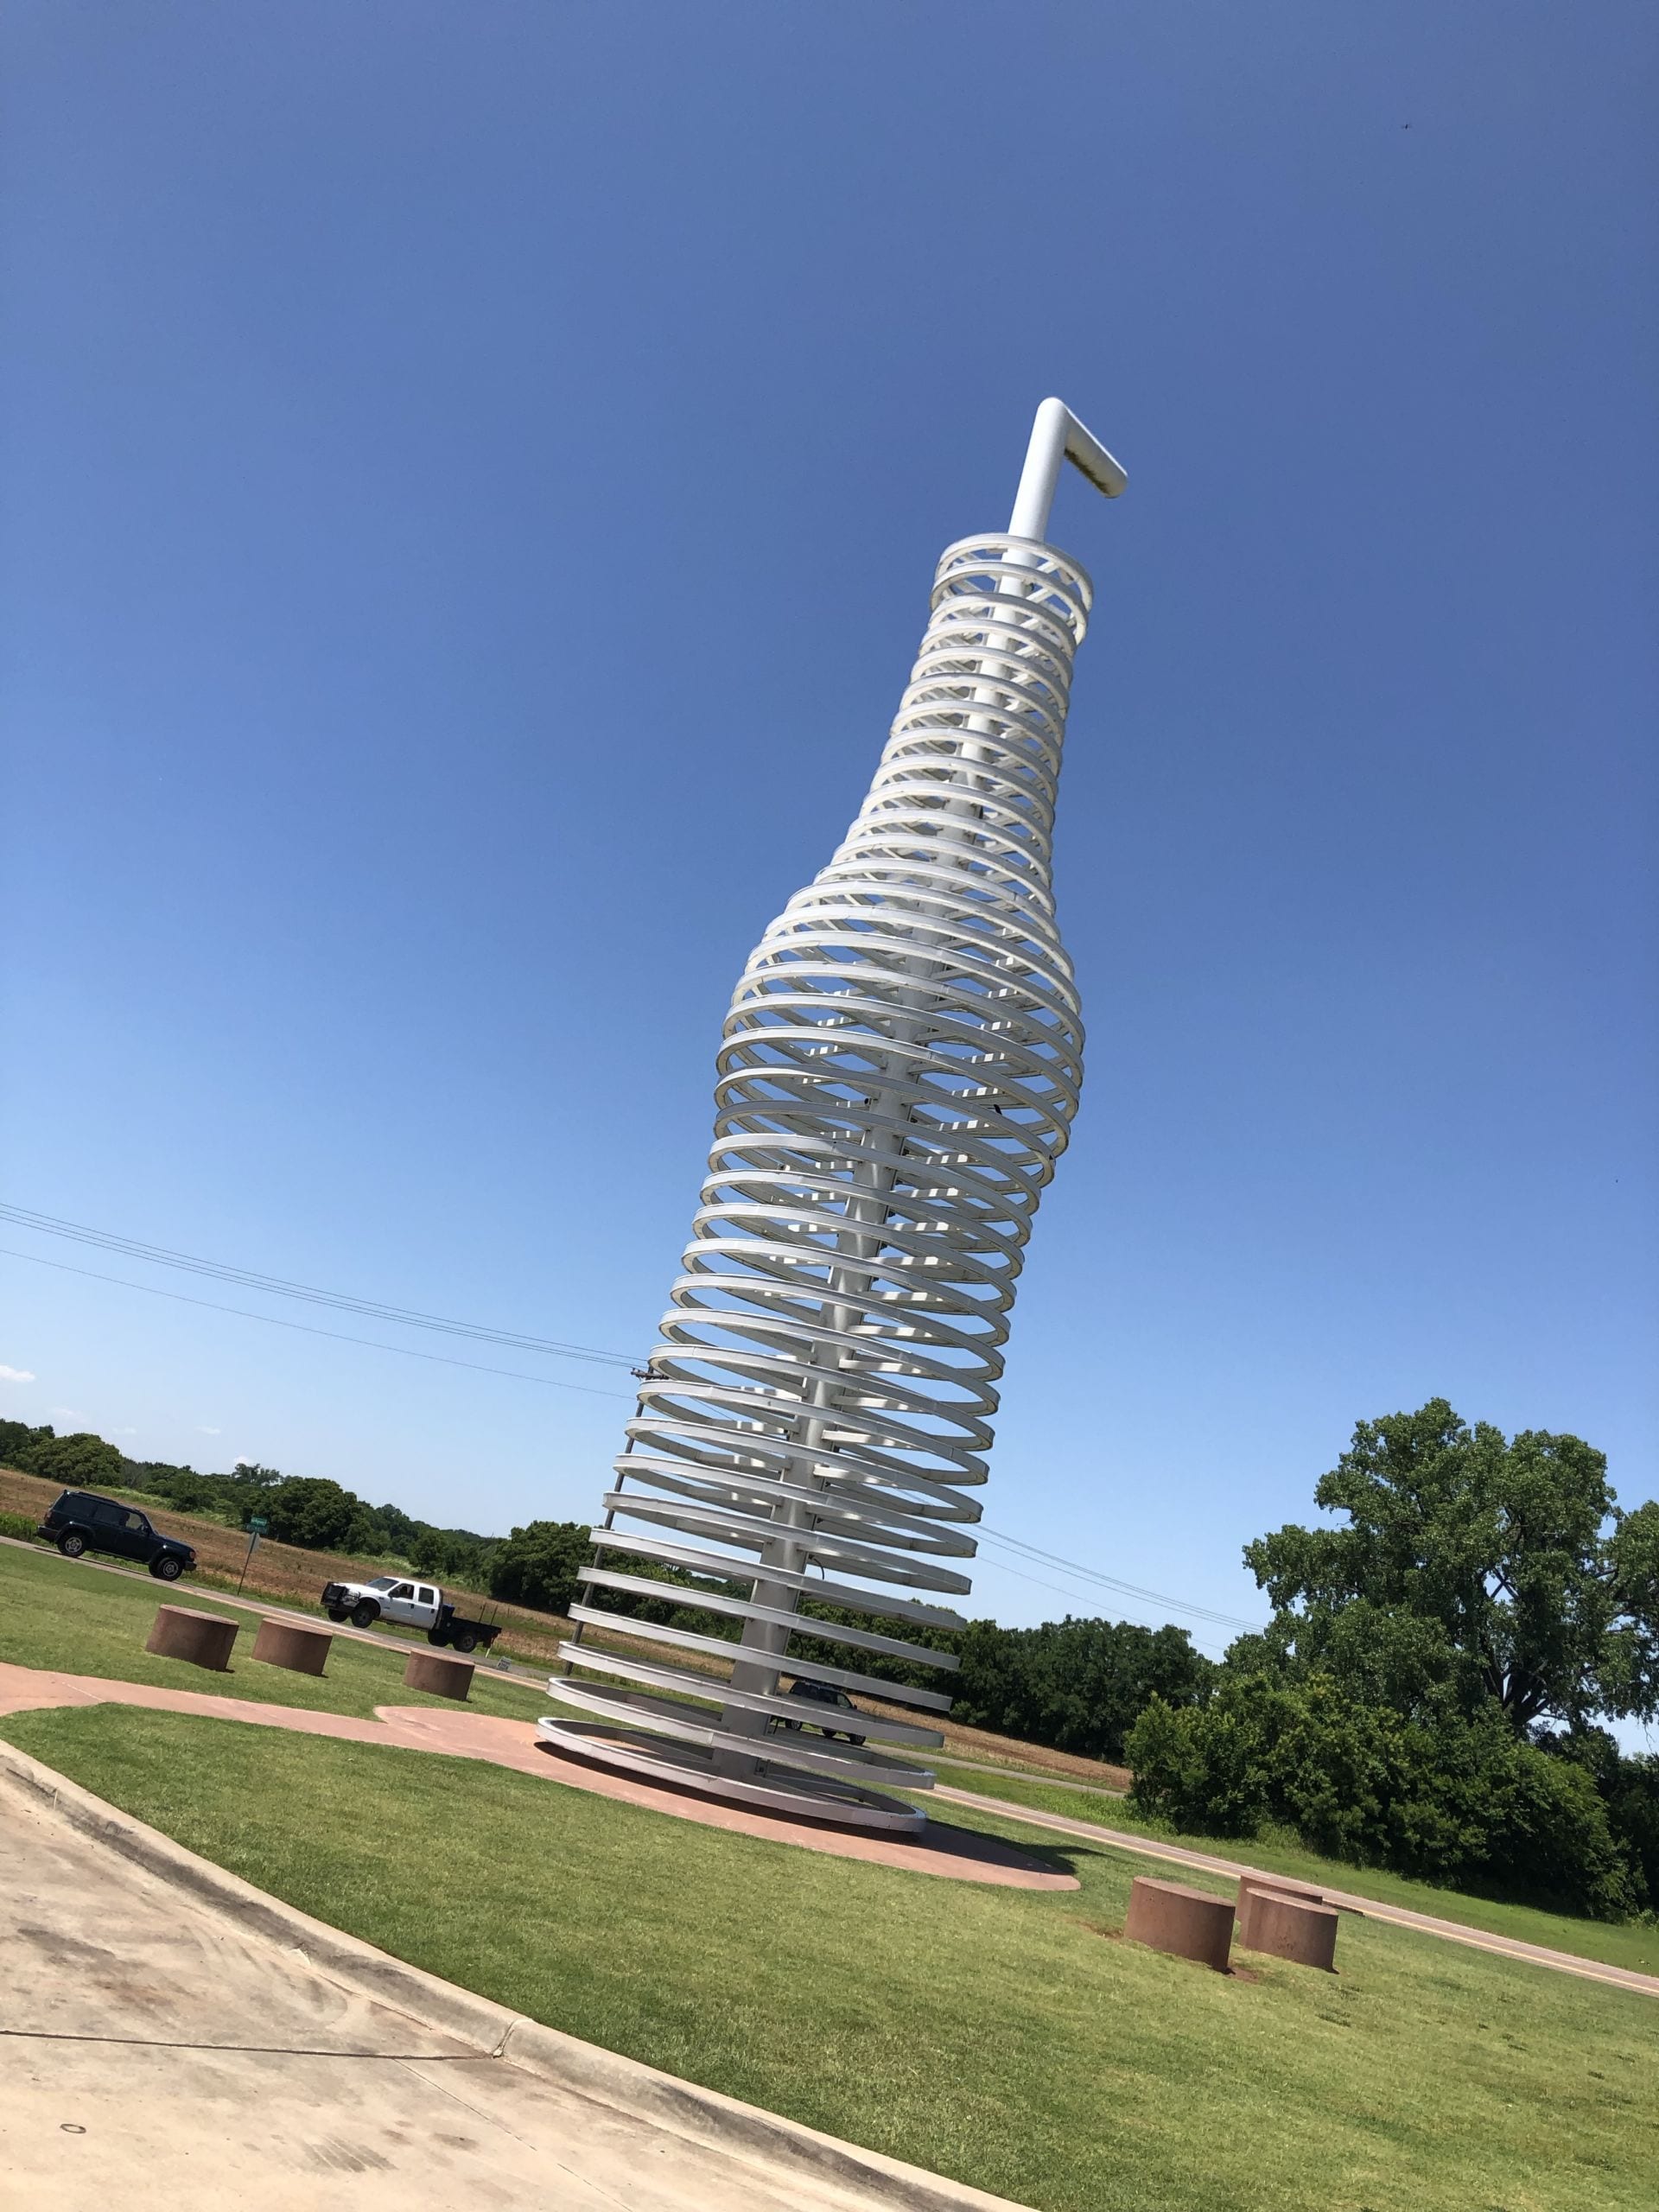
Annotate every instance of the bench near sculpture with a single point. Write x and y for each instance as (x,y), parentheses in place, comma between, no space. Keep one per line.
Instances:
(1187,1923)
(1290,1928)
(205,1639)
(431,1670)
(285,1643)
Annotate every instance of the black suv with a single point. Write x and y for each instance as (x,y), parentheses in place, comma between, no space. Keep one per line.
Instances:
(80,1522)
(822,1695)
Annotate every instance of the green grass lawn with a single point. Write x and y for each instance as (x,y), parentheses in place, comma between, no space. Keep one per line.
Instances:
(75,1620)
(1008,2038)
(80,1620)
(1628,1943)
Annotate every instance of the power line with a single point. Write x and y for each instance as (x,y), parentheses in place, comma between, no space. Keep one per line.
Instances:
(1017,1545)
(109,1240)
(307,1329)
(408,1317)
(1002,1567)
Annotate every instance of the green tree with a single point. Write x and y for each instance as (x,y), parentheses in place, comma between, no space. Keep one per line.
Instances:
(79,1462)
(536,1565)
(1471,1569)
(189,1492)
(256,1477)
(311,1512)
(1397,1710)
(1078,1685)
(18,1439)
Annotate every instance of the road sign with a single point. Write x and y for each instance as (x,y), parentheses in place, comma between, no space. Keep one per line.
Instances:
(257,1528)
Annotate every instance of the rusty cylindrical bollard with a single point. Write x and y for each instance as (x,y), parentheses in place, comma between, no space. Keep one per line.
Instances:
(205,1639)
(1252,1886)
(1290,1928)
(1188,1923)
(431,1670)
(285,1643)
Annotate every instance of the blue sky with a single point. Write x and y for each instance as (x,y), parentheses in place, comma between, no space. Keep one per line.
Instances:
(473,478)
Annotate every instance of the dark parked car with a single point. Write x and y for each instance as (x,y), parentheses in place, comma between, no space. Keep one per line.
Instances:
(823,1695)
(81,1523)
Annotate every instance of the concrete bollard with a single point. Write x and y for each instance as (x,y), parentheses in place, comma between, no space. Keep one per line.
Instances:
(205,1639)
(1251,1886)
(431,1670)
(1187,1923)
(1290,1928)
(284,1643)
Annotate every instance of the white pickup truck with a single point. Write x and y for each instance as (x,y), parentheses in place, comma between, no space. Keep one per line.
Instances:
(411,1603)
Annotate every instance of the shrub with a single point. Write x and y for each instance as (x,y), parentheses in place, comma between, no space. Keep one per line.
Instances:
(1198,1769)
(1631,1792)
(16,1524)
(1460,1800)
(1544,1828)
(536,1565)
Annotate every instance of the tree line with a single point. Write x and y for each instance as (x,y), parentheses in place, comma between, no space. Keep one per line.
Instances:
(535,1565)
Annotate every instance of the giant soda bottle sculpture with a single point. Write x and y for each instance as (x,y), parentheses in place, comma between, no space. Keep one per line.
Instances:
(900,1070)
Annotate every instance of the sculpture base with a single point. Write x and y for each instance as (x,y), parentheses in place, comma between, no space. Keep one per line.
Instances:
(773,1789)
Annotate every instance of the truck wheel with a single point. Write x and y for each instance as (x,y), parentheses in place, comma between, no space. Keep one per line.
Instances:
(365,1614)
(465,1641)
(72,1543)
(336,1612)
(166,1569)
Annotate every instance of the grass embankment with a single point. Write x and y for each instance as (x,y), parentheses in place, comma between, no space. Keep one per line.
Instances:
(996,2035)
(1628,1943)
(294,1577)
(73,1619)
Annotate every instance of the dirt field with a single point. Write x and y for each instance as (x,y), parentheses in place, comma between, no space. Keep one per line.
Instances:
(295,1576)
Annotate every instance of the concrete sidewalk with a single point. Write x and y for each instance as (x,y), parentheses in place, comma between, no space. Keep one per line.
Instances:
(171,2037)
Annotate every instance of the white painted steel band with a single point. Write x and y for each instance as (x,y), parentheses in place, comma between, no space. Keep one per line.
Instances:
(687,1682)
(810,1796)
(709,1601)
(812,1670)
(883,1602)
(845,1762)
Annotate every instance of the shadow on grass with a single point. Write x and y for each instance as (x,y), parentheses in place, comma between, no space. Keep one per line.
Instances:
(1064,1858)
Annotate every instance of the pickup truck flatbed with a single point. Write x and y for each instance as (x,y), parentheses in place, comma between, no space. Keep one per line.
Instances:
(411,1603)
